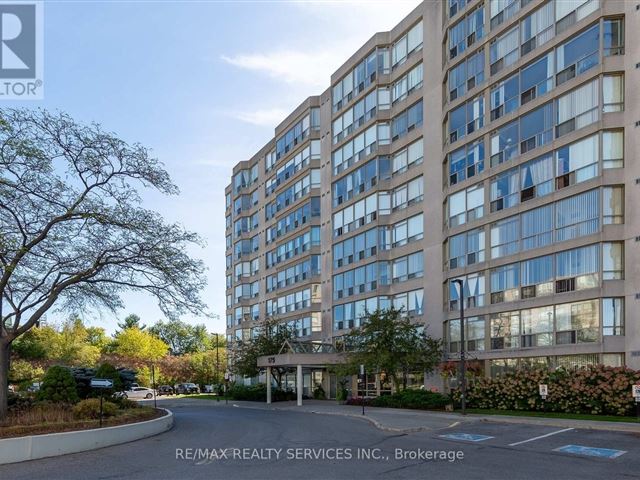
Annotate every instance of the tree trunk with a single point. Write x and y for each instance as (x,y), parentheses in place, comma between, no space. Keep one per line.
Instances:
(4,380)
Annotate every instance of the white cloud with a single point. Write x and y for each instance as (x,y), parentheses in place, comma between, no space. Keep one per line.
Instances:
(262,118)
(296,67)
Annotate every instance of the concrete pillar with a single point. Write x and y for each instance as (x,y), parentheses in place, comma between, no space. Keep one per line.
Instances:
(377,384)
(299,384)
(268,385)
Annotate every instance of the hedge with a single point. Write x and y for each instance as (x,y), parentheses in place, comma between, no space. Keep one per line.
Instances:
(258,393)
(596,390)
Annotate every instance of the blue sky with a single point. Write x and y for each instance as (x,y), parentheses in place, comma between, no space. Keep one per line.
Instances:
(201,83)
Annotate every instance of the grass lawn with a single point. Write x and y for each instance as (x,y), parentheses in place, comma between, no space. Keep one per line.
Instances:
(569,416)
(65,424)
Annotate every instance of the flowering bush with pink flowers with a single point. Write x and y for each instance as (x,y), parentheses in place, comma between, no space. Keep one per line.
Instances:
(596,390)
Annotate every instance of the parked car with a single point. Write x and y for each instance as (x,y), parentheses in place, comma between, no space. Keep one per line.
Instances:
(136,393)
(166,390)
(187,388)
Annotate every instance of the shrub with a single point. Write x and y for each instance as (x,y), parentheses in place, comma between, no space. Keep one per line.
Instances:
(90,409)
(414,399)
(319,393)
(258,393)
(124,403)
(58,385)
(596,390)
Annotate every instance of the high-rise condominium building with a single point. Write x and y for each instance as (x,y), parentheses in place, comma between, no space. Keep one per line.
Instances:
(493,141)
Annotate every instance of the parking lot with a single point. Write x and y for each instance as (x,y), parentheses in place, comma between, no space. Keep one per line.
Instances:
(573,442)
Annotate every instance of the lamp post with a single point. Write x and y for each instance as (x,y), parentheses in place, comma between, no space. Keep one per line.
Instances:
(463,365)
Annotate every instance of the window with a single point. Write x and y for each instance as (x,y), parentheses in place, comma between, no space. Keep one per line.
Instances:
(407,44)
(408,157)
(407,84)
(360,147)
(613,37)
(613,316)
(355,249)
(577,216)
(505,330)
(360,180)
(505,190)
(504,50)
(613,149)
(473,292)
(407,194)
(538,28)
(577,322)
(505,282)
(613,93)
(406,268)
(466,248)
(355,216)
(537,277)
(502,10)
(613,261)
(536,79)
(406,121)
(296,134)
(578,55)
(505,97)
(466,119)
(537,327)
(474,334)
(536,178)
(536,128)
(405,231)
(612,205)
(577,162)
(578,269)
(466,32)
(504,143)
(505,237)
(537,227)
(466,75)
(466,162)
(466,205)
(577,108)
(569,12)
(455,6)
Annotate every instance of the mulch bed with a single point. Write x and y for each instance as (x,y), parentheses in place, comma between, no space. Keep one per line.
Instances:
(133,416)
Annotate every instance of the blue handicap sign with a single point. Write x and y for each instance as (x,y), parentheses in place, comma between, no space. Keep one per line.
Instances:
(468,437)
(591,451)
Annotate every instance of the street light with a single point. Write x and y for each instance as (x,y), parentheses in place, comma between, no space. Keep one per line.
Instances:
(463,366)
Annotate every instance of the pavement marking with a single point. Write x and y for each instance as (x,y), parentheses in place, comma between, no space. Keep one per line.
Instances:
(541,436)
(454,424)
(591,451)
(469,437)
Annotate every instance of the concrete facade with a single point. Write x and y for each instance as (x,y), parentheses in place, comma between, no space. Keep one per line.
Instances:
(536,214)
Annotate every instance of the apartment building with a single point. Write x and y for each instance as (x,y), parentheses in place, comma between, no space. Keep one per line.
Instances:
(493,141)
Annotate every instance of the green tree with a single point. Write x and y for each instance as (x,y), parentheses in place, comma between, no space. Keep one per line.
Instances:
(24,372)
(182,337)
(136,344)
(387,342)
(268,341)
(73,231)
(58,385)
(131,321)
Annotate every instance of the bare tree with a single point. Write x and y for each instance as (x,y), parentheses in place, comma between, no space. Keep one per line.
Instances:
(73,232)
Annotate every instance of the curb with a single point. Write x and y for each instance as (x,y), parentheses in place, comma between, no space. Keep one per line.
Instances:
(33,447)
